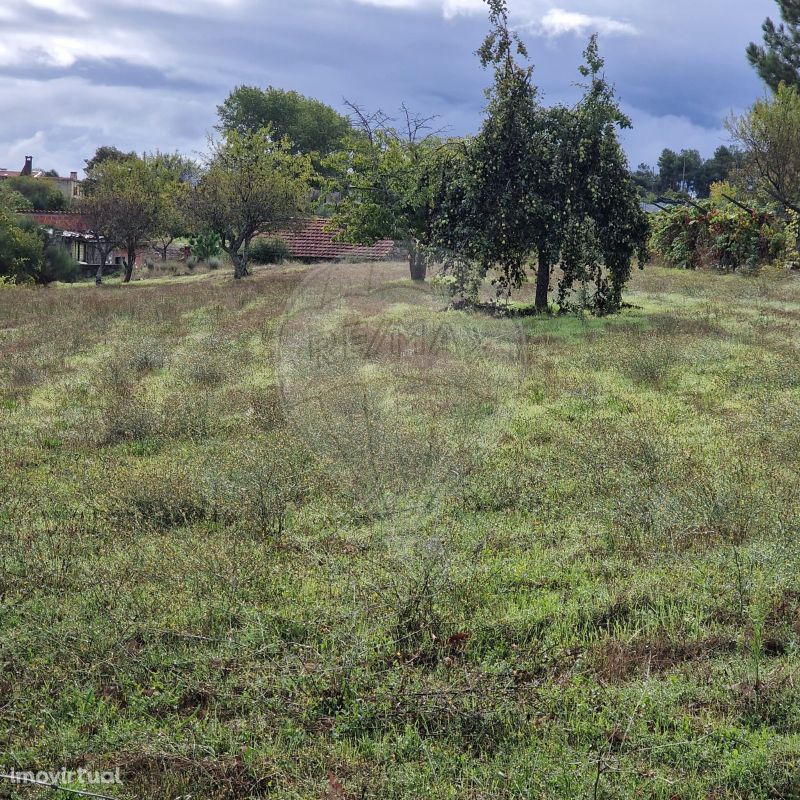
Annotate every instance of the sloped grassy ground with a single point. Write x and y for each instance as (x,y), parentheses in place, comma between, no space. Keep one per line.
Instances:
(560,562)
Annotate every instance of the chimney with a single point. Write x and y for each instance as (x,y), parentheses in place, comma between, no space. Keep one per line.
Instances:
(28,168)
(73,176)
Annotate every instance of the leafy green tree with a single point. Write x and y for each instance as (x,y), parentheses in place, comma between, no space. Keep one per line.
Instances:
(383,183)
(135,191)
(172,176)
(679,172)
(508,206)
(553,184)
(107,153)
(101,211)
(42,194)
(778,59)
(21,249)
(720,167)
(768,134)
(606,229)
(647,180)
(122,204)
(310,125)
(253,184)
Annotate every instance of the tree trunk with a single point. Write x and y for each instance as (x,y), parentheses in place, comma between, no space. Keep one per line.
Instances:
(542,282)
(164,252)
(98,277)
(417,263)
(239,269)
(245,257)
(130,263)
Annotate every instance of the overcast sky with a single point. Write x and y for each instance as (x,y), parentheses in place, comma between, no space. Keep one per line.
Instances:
(148,74)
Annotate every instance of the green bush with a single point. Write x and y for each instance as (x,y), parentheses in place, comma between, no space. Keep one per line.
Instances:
(719,236)
(21,249)
(269,251)
(205,246)
(58,265)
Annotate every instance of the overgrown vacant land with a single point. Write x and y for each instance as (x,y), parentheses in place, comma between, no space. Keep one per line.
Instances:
(253,533)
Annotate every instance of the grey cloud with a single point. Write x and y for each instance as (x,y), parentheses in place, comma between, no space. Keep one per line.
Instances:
(168,66)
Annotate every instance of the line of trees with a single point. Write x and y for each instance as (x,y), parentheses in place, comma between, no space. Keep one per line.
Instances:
(538,188)
(687,172)
(539,191)
(752,214)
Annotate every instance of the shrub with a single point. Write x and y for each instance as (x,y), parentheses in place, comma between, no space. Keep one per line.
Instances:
(214,262)
(269,251)
(21,249)
(719,236)
(191,262)
(205,246)
(58,265)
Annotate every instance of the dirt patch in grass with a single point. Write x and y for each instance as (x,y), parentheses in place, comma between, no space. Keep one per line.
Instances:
(616,661)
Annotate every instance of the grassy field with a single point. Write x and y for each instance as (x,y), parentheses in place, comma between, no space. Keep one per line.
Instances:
(308,535)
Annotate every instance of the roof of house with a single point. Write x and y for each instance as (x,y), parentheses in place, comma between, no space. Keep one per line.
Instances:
(10,173)
(311,239)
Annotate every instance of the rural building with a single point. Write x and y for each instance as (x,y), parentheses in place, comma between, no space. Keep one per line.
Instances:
(71,231)
(70,187)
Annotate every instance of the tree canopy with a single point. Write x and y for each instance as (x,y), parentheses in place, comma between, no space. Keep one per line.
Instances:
(777,60)
(383,180)
(546,183)
(107,153)
(253,184)
(121,204)
(310,125)
(768,135)
(172,176)
(40,194)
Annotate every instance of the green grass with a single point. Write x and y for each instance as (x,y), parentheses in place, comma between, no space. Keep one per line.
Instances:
(252,535)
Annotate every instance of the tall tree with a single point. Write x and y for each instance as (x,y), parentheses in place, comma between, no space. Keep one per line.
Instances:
(778,59)
(253,184)
(768,133)
(310,125)
(546,183)
(173,175)
(720,167)
(606,227)
(121,205)
(505,207)
(646,179)
(382,182)
(679,172)
(104,153)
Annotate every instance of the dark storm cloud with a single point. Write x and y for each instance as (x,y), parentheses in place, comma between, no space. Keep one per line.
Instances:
(109,72)
(679,67)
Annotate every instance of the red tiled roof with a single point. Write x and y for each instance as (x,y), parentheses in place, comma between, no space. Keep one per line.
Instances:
(310,239)
(10,173)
